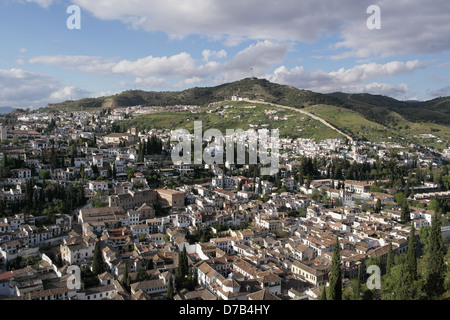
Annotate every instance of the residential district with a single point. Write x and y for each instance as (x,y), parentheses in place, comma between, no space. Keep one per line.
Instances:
(92,213)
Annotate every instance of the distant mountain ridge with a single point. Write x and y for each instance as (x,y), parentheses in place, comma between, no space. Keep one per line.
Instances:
(375,108)
(5,110)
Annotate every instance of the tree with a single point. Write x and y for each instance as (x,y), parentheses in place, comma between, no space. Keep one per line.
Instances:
(36,202)
(411,259)
(407,190)
(182,270)
(44,174)
(436,268)
(399,198)
(323,294)
(335,288)
(378,206)
(403,282)
(126,279)
(98,265)
(390,259)
(142,275)
(53,158)
(114,171)
(358,284)
(170,289)
(141,152)
(183,266)
(73,154)
(405,214)
(433,205)
(98,200)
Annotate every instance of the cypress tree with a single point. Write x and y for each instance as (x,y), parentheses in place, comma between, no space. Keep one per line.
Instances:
(405,215)
(114,171)
(35,199)
(436,268)
(378,206)
(98,266)
(149,148)
(170,289)
(126,280)
(183,266)
(407,190)
(390,259)
(323,293)
(141,152)
(408,287)
(411,259)
(358,284)
(335,288)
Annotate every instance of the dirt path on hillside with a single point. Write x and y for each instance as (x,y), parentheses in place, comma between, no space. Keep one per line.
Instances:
(306,113)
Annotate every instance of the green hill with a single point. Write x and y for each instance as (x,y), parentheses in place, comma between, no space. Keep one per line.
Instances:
(237,115)
(386,112)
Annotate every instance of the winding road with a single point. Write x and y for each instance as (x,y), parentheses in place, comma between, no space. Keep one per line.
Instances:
(306,113)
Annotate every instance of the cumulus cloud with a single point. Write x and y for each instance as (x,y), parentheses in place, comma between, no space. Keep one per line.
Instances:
(150,82)
(260,56)
(445,91)
(20,88)
(234,19)
(407,26)
(207,54)
(181,64)
(89,64)
(349,80)
(68,93)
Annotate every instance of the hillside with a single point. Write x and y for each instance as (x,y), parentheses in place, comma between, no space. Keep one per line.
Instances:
(385,112)
(5,110)
(237,115)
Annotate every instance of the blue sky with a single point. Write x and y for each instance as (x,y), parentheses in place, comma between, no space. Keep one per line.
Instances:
(323,46)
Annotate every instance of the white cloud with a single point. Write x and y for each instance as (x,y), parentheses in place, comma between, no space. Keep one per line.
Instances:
(181,64)
(89,64)
(150,82)
(207,54)
(349,80)
(20,88)
(232,20)
(445,91)
(42,3)
(407,26)
(260,56)
(68,93)
(254,60)
(188,82)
